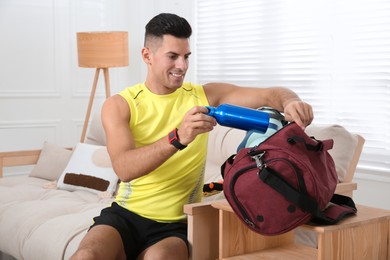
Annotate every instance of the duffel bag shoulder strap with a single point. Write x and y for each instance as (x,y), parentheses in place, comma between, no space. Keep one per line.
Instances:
(339,207)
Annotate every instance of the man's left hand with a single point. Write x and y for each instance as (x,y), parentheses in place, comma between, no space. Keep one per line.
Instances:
(299,112)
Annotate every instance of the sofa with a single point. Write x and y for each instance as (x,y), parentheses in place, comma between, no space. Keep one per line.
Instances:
(43,216)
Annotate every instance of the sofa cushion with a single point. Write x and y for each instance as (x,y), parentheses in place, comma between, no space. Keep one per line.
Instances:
(96,133)
(89,169)
(51,162)
(223,142)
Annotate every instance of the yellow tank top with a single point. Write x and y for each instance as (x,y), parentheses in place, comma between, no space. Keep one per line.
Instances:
(161,194)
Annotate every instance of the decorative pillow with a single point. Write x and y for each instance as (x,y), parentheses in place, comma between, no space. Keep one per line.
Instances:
(343,147)
(89,169)
(51,162)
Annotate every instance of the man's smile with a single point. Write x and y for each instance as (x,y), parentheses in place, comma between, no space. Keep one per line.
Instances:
(177,75)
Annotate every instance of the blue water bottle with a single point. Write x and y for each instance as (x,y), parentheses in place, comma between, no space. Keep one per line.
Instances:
(240,117)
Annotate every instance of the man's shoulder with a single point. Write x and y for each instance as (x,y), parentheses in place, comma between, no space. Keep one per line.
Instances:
(189,86)
(131,91)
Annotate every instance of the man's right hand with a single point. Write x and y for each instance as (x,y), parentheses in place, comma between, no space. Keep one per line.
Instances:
(195,122)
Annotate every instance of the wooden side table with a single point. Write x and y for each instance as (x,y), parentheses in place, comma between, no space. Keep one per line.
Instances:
(364,236)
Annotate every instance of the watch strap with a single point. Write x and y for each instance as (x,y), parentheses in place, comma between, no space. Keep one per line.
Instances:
(173,139)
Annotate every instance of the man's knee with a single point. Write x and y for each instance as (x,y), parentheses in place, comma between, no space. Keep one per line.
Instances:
(169,248)
(84,254)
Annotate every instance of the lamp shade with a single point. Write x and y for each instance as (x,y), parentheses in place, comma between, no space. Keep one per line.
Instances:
(102,49)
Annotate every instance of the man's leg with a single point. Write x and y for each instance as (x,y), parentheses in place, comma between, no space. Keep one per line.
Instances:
(101,242)
(172,248)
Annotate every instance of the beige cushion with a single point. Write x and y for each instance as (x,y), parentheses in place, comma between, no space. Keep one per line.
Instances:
(51,162)
(89,169)
(96,133)
(223,142)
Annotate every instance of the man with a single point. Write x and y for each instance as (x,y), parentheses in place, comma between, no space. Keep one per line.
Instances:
(157,140)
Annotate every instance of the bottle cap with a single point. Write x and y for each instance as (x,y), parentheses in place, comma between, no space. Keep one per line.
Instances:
(211,110)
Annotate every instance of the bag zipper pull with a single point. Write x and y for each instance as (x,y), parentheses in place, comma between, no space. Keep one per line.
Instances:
(257,158)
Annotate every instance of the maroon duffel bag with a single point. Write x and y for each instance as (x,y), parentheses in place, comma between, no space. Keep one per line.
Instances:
(286,181)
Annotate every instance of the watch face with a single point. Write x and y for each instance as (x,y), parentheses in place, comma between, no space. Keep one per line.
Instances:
(172,136)
(174,140)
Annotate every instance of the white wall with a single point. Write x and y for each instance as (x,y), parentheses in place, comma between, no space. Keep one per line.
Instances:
(372,191)
(43,92)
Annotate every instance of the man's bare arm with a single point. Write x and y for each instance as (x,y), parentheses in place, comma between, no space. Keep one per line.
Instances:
(279,98)
(130,162)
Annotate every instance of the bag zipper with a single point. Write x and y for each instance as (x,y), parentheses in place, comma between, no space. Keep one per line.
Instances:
(234,197)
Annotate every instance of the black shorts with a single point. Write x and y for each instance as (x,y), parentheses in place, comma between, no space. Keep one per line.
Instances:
(138,233)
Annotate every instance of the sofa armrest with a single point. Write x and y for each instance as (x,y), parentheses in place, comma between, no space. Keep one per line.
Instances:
(202,230)
(355,159)
(346,188)
(18,158)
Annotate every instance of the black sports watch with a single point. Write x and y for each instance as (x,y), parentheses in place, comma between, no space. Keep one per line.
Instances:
(173,139)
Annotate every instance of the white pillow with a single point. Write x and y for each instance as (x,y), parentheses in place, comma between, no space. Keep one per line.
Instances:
(89,169)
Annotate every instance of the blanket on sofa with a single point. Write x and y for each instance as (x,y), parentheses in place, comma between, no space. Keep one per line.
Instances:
(43,214)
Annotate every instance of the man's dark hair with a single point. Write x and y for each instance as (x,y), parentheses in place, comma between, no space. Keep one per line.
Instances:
(166,23)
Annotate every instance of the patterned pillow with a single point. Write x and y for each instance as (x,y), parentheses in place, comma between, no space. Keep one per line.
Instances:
(89,169)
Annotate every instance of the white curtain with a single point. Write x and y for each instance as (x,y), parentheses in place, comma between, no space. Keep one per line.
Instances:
(334,53)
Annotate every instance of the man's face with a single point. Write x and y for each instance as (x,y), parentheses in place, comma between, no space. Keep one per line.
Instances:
(168,63)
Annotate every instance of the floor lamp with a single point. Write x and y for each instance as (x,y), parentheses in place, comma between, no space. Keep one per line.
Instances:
(101,50)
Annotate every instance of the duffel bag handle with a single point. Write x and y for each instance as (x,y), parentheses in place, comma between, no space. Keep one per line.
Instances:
(319,146)
(227,163)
